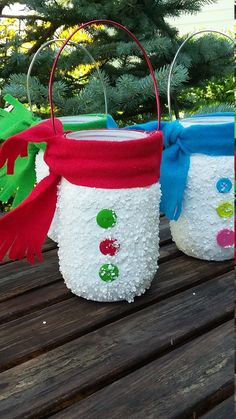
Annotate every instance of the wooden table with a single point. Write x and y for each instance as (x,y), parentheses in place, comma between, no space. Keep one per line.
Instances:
(168,355)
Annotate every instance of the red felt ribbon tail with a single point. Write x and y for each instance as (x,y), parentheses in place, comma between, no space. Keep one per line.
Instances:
(17,145)
(24,229)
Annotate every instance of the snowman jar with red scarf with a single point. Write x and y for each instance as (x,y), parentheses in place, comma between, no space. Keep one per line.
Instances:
(105,185)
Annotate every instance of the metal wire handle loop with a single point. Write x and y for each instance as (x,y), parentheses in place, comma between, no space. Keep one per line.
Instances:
(176,56)
(51,41)
(118,25)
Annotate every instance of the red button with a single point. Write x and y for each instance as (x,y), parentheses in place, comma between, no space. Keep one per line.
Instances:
(109,247)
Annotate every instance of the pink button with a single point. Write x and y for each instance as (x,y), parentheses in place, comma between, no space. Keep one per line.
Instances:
(225,238)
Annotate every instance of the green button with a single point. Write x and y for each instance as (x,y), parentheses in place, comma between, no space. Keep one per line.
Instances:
(106,218)
(225,210)
(108,272)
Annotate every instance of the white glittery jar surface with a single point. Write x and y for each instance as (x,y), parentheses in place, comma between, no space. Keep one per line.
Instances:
(205,227)
(108,238)
(42,170)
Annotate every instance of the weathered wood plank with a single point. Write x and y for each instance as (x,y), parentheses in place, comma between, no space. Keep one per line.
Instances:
(19,277)
(168,252)
(179,385)
(48,245)
(80,367)
(33,301)
(224,410)
(50,294)
(165,235)
(62,318)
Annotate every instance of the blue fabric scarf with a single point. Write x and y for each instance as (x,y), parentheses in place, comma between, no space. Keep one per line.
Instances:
(180,143)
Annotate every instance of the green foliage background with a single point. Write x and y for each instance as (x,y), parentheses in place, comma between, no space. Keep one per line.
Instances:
(204,67)
(202,80)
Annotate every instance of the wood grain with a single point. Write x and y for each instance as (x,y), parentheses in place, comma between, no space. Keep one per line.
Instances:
(31,301)
(62,318)
(19,277)
(48,245)
(82,366)
(224,410)
(162,389)
(165,235)
(48,294)
(168,355)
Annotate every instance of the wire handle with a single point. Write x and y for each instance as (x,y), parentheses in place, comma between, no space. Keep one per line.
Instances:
(118,25)
(176,56)
(51,41)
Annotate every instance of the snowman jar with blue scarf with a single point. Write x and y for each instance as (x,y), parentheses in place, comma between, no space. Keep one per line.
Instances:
(197,178)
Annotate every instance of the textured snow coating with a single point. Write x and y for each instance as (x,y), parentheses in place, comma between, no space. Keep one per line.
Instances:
(42,170)
(196,230)
(79,238)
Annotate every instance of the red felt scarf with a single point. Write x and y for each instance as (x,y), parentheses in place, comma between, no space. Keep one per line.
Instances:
(100,164)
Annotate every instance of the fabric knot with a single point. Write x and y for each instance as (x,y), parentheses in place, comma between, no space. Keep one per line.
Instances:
(172,133)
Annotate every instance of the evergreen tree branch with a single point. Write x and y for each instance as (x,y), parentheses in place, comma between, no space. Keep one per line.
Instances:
(43,37)
(25,17)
